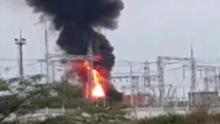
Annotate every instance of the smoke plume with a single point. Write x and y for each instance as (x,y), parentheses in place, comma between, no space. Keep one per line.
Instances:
(77,21)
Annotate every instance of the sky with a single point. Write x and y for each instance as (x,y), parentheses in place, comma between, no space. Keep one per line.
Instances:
(147,29)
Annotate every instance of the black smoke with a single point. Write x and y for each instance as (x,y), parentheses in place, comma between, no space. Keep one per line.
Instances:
(78,21)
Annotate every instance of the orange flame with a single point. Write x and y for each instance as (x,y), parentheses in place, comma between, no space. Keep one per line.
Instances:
(97,90)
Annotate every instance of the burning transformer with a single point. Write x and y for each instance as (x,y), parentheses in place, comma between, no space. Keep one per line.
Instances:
(78,21)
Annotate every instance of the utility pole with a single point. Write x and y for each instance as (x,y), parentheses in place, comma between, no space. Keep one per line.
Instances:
(20,42)
(218,80)
(193,71)
(147,78)
(41,66)
(161,81)
(46,59)
(53,72)
(131,84)
(46,52)
(184,92)
(206,81)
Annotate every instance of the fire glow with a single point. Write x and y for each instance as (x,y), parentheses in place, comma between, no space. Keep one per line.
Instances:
(94,83)
(97,90)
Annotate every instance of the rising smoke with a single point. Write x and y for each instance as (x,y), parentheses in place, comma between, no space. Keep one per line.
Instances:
(77,21)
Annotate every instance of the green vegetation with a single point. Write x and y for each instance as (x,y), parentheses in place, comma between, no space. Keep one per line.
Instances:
(97,114)
(63,95)
(193,118)
(3,84)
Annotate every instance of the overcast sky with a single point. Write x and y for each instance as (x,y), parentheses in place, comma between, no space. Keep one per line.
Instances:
(150,28)
(147,29)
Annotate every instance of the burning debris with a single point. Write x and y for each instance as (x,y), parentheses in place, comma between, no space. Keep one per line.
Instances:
(78,20)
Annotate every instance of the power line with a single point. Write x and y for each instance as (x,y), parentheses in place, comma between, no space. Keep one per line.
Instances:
(15,60)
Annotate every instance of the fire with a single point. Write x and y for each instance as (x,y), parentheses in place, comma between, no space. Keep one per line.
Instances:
(94,81)
(97,90)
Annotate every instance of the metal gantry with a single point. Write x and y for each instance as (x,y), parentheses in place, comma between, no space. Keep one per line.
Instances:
(162,61)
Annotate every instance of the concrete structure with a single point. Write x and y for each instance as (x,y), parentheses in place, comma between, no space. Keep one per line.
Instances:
(203,99)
